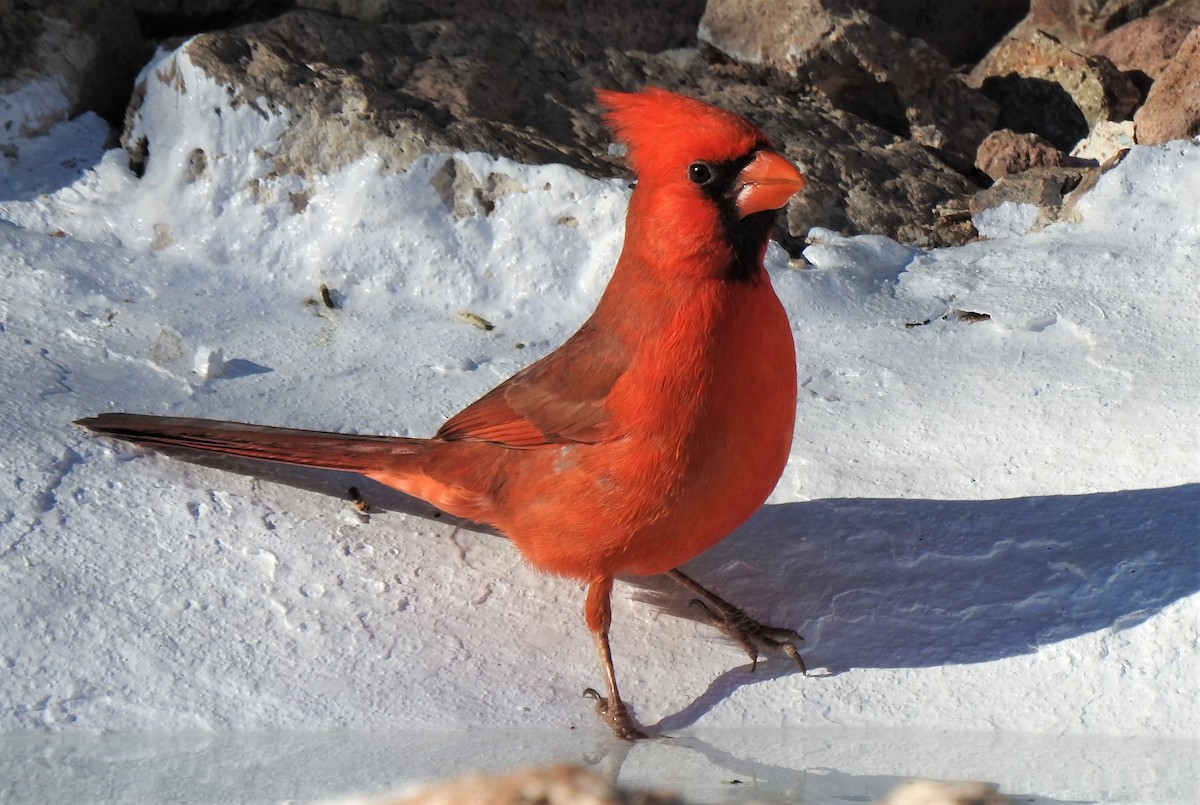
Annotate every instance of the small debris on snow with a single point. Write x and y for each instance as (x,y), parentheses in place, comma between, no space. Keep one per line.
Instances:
(209,362)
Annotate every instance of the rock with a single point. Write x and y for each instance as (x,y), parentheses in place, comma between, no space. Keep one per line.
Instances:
(1143,47)
(621,24)
(1106,141)
(464,195)
(860,179)
(1053,190)
(860,62)
(373,10)
(65,58)
(208,362)
(1078,22)
(564,784)
(961,30)
(1007,151)
(944,792)
(1046,88)
(1172,108)
(190,8)
(1187,10)
(401,91)
(523,90)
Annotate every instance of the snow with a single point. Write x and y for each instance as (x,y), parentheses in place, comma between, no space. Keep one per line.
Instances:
(988,532)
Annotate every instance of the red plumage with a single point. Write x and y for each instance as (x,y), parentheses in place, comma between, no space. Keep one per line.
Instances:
(656,429)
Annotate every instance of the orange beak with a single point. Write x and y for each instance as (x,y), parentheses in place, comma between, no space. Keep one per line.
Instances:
(766,184)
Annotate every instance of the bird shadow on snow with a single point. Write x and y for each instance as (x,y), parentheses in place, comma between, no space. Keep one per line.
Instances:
(894,583)
(890,583)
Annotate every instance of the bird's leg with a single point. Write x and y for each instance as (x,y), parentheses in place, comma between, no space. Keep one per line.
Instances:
(610,707)
(749,633)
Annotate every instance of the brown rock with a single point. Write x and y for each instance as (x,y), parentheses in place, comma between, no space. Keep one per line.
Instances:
(1078,22)
(1172,109)
(1006,151)
(860,62)
(1143,47)
(1044,87)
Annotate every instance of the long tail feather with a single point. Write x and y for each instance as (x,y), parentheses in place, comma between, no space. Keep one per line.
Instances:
(310,448)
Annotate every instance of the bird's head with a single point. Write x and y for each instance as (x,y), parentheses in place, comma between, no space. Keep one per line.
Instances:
(709,181)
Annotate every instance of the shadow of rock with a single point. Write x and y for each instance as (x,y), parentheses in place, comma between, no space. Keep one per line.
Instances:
(1037,105)
(240,367)
(35,166)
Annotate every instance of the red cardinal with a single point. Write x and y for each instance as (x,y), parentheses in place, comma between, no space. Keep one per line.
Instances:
(655,430)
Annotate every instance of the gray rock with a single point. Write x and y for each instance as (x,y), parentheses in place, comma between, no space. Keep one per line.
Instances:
(621,24)
(961,30)
(1054,190)
(87,51)
(197,9)
(860,178)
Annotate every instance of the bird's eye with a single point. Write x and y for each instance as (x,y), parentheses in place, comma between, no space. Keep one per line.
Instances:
(700,173)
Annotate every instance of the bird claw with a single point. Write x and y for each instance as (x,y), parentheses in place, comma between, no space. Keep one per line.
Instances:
(616,716)
(750,634)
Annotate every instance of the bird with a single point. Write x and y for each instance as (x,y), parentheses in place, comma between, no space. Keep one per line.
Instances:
(654,431)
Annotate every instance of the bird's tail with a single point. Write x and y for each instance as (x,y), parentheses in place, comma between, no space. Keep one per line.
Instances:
(367,455)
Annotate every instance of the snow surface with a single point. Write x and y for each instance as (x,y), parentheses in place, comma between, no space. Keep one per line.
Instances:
(988,532)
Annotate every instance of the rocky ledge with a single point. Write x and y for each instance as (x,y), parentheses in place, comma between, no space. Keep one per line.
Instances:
(907,115)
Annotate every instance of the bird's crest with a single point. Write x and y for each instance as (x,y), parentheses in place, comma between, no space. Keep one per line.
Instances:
(660,128)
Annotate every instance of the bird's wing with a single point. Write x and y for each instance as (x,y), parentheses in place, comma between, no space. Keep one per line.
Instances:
(558,400)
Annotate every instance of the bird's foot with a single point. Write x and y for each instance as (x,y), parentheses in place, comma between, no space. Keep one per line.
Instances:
(616,716)
(753,636)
